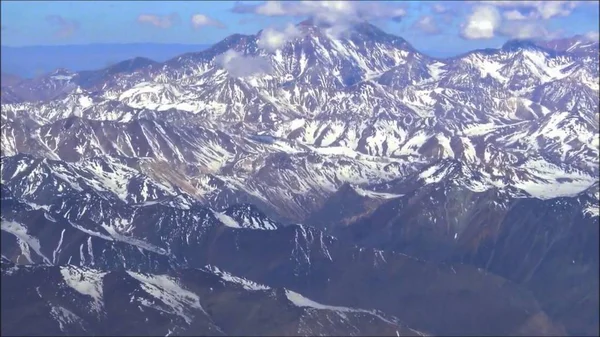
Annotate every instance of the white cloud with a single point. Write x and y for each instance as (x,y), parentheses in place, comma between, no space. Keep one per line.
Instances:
(238,65)
(272,39)
(201,20)
(482,23)
(427,25)
(158,21)
(525,30)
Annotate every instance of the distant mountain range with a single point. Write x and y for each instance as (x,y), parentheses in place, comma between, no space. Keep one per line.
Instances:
(31,61)
(338,185)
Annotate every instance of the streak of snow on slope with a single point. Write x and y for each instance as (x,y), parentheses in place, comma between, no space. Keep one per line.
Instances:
(375,195)
(25,252)
(303,302)
(413,144)
(549,73)
(90,232)
(246,284)
(166,289)
(133,241)
(434,174)
(20,232)
(64,317)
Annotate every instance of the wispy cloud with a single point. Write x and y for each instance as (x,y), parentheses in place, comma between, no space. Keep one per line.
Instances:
(331,12)
(427,25)
(64,27)
(538,9)
(201,20)
(238,65)
(165,21)
(444,13)
(272,39)
(525,30)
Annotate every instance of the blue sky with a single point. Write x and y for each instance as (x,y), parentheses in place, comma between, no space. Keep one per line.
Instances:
(439,26)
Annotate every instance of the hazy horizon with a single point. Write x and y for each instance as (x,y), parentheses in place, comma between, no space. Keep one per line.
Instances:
(31,61)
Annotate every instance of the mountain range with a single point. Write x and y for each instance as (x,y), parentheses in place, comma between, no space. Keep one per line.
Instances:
(340,184)
(33,61)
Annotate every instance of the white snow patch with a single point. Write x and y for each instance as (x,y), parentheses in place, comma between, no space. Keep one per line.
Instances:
(227,220)
(550,190)
(301,301)
(545,184)
(436,70)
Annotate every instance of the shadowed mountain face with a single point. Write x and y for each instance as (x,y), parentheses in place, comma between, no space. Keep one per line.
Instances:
(188,302)
(445,197)
(577,44)
(522,239)
(244,242)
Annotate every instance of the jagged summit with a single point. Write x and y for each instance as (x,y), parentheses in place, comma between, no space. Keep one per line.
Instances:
(516,45)
(58,74)
(313,22)
(361,28)
(132,64)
